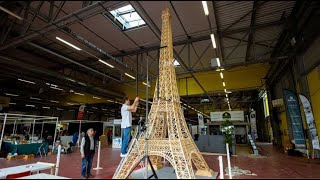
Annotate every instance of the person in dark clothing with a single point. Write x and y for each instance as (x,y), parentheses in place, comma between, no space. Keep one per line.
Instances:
(87,150)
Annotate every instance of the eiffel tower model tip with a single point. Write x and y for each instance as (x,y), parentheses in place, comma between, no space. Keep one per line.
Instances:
(167,131)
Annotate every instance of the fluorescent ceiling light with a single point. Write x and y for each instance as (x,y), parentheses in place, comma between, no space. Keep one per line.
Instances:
(56,88)
(59,109)
(225,90)
(12,103)
(109,100)
(48,84)
(224,84)
(94,108)
(221,75)
(75,47)
(205,8)
(8,94)
(229,92)
(213,41)
(145,84)
(220,69)
(35,98)
(70,104)
(218,62)
(226,95)
(54,101)
(105,109)
(11,13)
(26,81)
(53,85)
(96,97)
(129,76)
(45,107)
(30,105)
(79,94)
(106,63)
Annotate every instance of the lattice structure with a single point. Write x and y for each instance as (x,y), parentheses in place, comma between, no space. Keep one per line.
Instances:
(168,134)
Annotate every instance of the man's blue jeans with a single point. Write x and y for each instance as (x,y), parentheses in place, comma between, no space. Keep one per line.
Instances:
(86,165)
(125,140)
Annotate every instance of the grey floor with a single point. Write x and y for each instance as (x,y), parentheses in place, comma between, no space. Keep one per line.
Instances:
(164,173)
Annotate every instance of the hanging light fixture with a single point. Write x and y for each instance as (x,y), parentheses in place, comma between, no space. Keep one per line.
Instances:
(205,8)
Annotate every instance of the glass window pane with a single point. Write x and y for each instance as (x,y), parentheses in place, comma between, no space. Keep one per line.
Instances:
(131,17)
(125,8)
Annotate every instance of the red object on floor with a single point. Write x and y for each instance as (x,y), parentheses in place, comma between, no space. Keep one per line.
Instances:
(18,175)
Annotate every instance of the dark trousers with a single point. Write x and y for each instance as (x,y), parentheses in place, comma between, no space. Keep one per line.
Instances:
(87,164)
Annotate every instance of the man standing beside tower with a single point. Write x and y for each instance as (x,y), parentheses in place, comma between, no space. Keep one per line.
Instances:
(126,122)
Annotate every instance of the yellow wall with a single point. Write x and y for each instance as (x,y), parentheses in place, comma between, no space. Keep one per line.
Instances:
(236,78)
(314,88)
(284,128)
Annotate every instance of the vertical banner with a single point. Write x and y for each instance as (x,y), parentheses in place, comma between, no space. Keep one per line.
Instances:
(80,113)
(253,123)
(310,121)
(295,119)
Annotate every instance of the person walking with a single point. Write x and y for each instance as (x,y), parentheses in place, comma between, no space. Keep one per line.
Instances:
(126,122)
(87,150)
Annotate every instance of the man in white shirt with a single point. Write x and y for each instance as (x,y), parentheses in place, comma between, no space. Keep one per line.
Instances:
(126,122)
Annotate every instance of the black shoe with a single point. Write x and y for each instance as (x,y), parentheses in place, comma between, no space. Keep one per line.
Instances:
(84,177)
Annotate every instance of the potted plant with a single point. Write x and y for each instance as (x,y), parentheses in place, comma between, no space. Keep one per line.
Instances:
(227,130)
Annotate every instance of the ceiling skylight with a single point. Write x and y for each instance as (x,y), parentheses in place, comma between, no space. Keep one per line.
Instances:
(127,17)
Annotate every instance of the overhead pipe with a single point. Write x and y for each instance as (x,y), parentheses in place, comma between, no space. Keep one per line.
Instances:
(39,70)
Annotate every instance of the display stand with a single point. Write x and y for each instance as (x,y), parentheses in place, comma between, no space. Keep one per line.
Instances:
(32,119)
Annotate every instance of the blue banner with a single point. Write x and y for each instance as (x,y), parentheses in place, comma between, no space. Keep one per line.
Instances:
(293,110)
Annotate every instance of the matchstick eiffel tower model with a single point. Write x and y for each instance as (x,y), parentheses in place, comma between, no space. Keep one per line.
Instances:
(167,132)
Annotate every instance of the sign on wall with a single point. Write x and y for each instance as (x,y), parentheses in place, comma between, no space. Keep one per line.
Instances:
(310,121)
(231,115)
(295,119)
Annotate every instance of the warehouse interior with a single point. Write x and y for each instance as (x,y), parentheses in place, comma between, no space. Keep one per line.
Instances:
(229,56)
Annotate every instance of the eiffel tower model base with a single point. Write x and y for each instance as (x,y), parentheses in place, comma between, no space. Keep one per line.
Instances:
(166,173)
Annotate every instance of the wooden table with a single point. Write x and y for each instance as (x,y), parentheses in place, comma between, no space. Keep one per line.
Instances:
(43,176)
(35,167)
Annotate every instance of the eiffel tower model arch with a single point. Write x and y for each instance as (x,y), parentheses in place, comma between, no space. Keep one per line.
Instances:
(167,132)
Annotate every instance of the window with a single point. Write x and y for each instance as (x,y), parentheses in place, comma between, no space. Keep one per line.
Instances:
(125,18)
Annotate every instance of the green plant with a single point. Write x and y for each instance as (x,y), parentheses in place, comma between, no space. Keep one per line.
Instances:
(228,131)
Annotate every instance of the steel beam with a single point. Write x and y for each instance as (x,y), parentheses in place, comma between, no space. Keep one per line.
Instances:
(234,48)
(219,35)
(251,32)
(245,15)
(199,57)
(269,60)
(54,25)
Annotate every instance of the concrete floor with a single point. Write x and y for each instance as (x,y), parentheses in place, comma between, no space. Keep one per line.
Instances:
(273,164)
